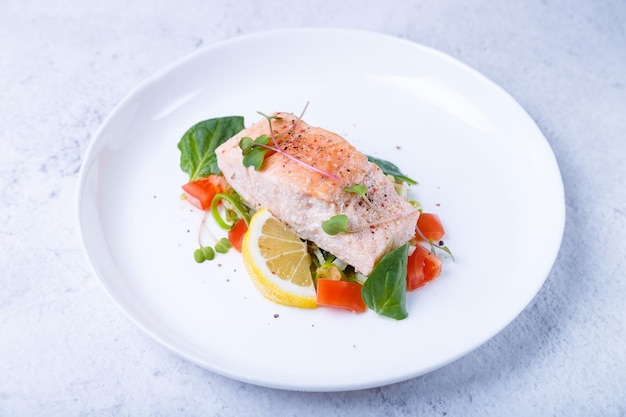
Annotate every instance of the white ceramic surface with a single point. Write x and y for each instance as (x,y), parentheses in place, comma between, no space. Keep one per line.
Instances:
(482,164)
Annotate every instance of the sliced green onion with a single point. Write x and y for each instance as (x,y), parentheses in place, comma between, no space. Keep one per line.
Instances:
(236,202)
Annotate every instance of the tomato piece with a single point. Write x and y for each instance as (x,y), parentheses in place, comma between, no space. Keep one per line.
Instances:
(200,192)
(429,227)
(341,294)
(432,267)
(415,268)
(236,233)
(422,267)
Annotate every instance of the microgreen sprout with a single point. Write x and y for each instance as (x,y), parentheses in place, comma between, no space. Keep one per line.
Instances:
(234,209)
(435,245)
(204,253)
(357,189)
(339,223)
(362,191)
(223,245)
(255,151)
(199,256)
(208,253)
(336,224)
(441,247)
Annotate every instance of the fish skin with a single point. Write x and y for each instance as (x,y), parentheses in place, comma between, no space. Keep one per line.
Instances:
(303,199)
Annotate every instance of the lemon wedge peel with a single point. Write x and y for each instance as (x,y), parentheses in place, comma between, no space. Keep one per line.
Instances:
(278,262)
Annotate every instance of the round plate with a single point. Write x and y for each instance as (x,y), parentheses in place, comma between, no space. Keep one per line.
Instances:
(482,164)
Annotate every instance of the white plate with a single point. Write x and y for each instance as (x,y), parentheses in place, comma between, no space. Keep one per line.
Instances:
(482,164)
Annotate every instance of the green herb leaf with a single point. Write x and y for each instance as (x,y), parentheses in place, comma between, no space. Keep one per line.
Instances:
(384,290)
(357,189)
(198,144)
(270,118)
(254,151)
(255,158)
(336,224)
(246,144)
(391,169)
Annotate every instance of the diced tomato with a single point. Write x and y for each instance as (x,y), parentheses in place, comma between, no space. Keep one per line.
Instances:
(236,233)
(423,266)
(342,294)
(415,269)
(200,193)
(432,267)
(430,227)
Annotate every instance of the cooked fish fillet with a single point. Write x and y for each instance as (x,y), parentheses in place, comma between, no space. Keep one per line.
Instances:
(303,199)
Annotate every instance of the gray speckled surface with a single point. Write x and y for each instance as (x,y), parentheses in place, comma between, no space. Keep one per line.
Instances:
(66,349)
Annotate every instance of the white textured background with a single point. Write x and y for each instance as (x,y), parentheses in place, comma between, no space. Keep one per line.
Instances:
(65,348)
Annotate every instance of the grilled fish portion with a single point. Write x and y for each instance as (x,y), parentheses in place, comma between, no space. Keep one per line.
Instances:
(303,199)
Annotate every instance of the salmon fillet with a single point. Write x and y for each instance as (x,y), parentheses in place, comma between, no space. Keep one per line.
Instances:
(303,199)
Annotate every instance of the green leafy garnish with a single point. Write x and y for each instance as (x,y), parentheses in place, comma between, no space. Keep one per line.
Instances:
(270,118)
(199,256)
(362,191)
(391,169)
(336,224)
(198,144)
(339,223)
(254,151)
(223,245)
(384,290)
(357,189)
(204,253)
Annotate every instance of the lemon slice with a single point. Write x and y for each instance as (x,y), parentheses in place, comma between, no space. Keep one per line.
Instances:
(278,262)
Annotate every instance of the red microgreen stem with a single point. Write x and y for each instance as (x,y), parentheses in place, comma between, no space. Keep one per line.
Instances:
(205,228)
(278,149)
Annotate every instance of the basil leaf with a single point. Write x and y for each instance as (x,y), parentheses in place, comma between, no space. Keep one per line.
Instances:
(198,144)
(391,169)
(384,291)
